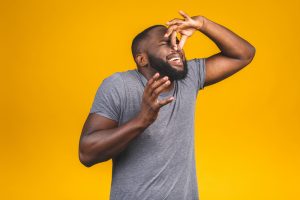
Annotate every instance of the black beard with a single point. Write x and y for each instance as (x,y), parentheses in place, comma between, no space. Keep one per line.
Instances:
(165,69)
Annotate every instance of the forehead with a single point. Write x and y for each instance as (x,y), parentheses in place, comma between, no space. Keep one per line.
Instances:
(157,33)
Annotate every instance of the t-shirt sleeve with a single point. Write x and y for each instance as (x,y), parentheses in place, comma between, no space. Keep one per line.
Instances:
(197,72)
(108,98)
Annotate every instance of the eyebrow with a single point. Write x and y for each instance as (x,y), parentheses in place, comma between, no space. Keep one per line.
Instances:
(165,39)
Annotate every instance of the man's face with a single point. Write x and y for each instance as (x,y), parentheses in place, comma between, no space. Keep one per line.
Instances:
(163,58)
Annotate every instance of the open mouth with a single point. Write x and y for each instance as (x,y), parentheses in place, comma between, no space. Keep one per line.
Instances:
(175,59)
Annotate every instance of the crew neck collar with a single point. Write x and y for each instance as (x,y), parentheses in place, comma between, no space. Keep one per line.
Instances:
(143,78)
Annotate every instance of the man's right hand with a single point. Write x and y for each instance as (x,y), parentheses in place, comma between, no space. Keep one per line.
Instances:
(150,104)
(102,139)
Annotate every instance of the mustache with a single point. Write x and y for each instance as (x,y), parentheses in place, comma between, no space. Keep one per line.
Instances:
(177,53)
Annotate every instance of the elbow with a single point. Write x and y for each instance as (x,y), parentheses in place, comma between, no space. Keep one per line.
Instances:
(89,160)
(91,153)
(84,159)
(83,154)
(251,54)
(248,56)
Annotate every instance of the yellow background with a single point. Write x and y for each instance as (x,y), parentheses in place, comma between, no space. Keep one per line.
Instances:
(54,55)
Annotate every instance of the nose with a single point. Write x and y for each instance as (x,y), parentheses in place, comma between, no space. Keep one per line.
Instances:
(175,47)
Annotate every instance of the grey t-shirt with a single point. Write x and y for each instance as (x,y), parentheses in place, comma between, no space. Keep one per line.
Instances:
(160,162)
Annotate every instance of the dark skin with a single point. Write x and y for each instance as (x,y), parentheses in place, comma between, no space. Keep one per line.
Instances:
(160,47)
(102,139)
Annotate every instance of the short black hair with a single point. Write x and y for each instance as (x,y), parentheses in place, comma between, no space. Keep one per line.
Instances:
(135,46)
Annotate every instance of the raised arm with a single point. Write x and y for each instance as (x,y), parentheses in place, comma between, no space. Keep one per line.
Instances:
(235,54)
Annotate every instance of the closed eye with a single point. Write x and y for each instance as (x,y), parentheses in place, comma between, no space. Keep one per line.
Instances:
(168,42)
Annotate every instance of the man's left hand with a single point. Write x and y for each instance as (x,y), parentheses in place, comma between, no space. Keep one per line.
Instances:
(186,27)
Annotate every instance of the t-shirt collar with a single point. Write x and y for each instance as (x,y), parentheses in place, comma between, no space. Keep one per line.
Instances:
(143,78)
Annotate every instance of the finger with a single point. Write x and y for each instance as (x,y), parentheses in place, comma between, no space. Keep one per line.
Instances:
(153,78)
(182,41)
(174,21)
(164,102)
(156,84)
(183,14)
(170,30)
(159,89)
(173,40)
(151,81)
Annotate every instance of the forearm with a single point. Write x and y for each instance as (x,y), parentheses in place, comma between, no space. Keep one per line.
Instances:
(102,145)
(230,44)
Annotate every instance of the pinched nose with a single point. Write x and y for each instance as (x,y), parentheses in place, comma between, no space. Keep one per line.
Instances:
(175,47)
(178,49)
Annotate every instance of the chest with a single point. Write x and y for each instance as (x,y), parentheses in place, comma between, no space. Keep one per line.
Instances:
(183,107)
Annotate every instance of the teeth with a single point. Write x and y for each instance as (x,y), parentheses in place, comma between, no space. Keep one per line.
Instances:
(173,59)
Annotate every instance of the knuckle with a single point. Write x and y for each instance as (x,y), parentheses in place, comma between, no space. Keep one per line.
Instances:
(152,86)
(161,81)
(153,107)
(161,102)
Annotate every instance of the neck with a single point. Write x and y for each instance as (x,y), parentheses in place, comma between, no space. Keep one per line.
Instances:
(149,75)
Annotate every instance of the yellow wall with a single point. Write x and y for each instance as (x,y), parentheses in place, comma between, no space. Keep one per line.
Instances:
(54,55)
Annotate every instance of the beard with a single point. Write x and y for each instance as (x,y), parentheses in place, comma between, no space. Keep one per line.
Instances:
(165,69)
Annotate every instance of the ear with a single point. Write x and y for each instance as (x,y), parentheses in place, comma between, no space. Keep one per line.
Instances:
(141,59)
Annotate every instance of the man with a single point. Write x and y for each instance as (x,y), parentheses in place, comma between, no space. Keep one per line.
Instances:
(144,119)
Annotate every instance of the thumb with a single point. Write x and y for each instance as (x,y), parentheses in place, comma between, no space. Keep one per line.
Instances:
(182,41)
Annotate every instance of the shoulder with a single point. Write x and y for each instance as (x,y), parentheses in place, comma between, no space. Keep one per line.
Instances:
(112,82)
(196,72)
(119,83)
(195,62)
(120,78)
(115,78)
(195,66)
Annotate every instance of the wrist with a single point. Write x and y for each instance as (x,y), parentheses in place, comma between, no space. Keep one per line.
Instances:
(200,22)
(141,122)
